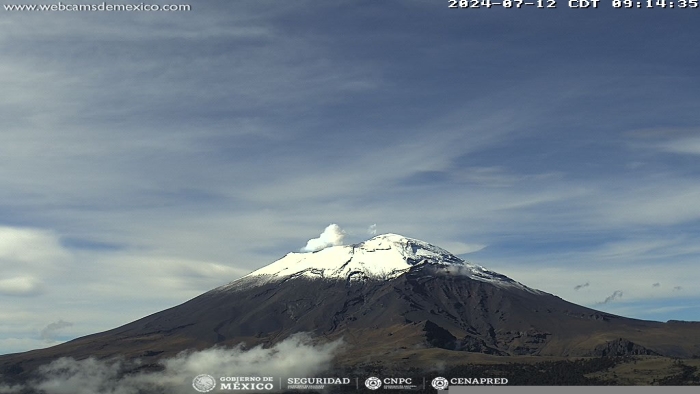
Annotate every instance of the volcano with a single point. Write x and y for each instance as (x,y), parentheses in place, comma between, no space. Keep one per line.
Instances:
(389,298)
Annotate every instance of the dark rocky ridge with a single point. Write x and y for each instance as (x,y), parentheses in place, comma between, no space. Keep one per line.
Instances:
(621,347)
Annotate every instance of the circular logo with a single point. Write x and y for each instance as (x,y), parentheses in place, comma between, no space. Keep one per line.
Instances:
(204,383)
(373,383)
(439,383)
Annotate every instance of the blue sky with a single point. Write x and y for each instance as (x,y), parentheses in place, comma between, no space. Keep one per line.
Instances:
(148,157)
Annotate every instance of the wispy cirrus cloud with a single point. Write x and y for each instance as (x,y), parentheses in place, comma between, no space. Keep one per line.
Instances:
(688,145)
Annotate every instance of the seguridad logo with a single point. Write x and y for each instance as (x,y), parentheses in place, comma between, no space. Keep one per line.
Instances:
(316,383)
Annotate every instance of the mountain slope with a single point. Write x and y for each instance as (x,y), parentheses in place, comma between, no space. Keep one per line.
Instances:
(381,296)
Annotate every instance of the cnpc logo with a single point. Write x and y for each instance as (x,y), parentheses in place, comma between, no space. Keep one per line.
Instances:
(374,383)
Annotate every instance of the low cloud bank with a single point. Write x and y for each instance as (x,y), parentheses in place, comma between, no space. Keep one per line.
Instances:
(333,235)
(7,389)
(296,356)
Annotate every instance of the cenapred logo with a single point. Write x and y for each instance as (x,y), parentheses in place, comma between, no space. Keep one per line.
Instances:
(204,383)
(373,383)
(439,383)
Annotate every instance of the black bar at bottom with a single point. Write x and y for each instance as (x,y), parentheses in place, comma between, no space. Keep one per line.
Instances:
(571,390)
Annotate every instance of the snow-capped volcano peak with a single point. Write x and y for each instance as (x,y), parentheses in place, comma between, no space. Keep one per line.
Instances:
(383,257)
(411,249)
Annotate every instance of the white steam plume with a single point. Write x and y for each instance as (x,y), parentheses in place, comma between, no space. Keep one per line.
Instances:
(372,230)
(333,235)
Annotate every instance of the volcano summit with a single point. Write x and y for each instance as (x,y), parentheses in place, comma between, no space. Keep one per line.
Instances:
(392,299)
(384,257)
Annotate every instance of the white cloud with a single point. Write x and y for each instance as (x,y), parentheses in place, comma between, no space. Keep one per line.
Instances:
(21,286)
(28,257)
(689,145)
(27,245)
(296,356)
(457,248)
(7,389)
(49,332)
(333,235)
